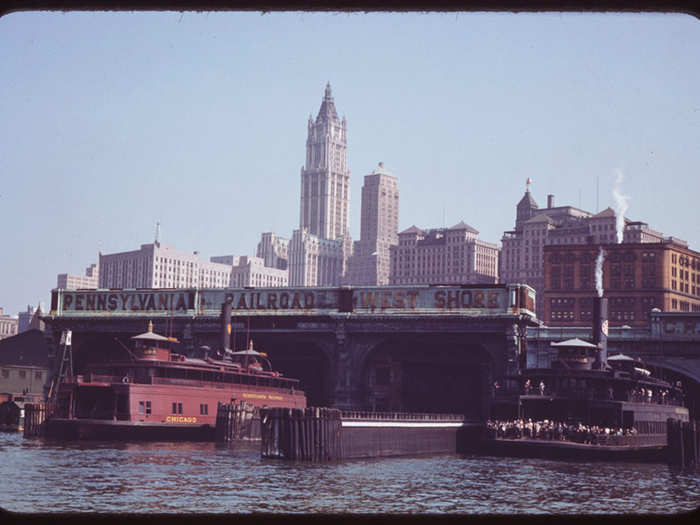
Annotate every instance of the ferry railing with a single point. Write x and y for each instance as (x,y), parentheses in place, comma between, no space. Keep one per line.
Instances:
(400,416)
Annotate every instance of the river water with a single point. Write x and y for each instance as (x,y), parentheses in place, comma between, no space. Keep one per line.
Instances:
(49,477)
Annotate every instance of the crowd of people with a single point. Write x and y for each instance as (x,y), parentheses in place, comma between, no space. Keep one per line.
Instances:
(554,430)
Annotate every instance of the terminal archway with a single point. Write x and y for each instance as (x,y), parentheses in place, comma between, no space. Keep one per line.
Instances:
(302,360)
(421,374)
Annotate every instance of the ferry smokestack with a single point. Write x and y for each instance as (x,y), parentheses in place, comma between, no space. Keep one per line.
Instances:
(600,330)
(226,308)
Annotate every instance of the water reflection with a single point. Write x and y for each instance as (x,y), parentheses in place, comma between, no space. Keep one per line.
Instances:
(184,477)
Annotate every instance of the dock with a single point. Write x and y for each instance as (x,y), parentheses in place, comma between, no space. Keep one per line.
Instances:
(327,434)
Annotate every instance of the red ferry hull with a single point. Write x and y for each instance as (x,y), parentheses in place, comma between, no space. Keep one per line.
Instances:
(173,413)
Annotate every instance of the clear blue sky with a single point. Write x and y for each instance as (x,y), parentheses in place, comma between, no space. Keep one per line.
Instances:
(110,122)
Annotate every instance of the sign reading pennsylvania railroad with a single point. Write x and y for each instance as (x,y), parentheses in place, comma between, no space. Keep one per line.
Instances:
(484,299)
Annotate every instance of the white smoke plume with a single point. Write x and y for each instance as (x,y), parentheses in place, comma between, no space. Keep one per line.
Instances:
(621,205)
(599,272)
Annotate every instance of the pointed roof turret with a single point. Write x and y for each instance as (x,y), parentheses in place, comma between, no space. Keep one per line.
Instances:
(461,225)
(327,110)
(412,229)
(526,207)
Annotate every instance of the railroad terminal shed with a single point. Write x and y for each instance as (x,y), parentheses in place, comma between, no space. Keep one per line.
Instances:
(400,348)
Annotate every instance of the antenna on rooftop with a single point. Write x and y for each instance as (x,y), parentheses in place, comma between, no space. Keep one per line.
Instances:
(597,193)
(157,241)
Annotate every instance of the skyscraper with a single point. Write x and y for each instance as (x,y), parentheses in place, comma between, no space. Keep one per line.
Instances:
(325,179)
(370,262)
(319,249)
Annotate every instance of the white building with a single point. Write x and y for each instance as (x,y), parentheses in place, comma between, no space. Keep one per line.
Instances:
(274,250)
(320,247)
(443,256)
(370,262)
(314,261)
(90,280)
(8,325)
(159,265)
(251,271)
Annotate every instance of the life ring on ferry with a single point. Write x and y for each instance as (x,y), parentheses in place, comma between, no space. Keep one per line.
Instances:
(125,379)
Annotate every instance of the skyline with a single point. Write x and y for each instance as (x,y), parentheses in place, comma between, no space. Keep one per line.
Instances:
(198,121)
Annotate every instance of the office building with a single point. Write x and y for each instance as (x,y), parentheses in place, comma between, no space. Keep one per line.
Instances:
(323,236)
(252,271)
(274,250)
(370,263)
(636,278)
(443,256)
(8,325)
(90,280)
(523,247)
(159,265)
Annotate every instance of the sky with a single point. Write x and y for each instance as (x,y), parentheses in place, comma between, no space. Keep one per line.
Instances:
(111,122)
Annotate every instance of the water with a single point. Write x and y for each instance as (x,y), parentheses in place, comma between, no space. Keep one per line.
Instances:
(48,477)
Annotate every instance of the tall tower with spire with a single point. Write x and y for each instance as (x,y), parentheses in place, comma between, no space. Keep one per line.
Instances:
(325,178)
(320,248)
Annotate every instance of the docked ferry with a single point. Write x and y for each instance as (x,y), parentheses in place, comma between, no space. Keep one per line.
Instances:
(622,407)
(158,394)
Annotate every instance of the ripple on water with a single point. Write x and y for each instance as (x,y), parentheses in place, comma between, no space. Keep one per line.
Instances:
(177,478)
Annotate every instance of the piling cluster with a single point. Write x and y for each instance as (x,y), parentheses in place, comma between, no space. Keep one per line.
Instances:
(683,443)
(303,434)
(235,421)
(35,416)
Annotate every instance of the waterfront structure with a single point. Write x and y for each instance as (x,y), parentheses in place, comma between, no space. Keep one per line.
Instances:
(74,282)
(370,263)
(24,364)
(637,277)
(274,250)
(8,325)
(351,347)
(443,255)
(323,237)
(252,271)
(158,265)
(522,248)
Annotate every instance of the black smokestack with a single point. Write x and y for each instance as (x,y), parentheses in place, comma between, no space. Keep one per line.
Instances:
(600,330)
(226,308)
(550,201)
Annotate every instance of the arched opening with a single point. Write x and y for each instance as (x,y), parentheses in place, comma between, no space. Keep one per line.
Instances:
(435,375)
(302,360)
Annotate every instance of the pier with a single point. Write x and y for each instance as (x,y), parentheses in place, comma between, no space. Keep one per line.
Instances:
(325,434)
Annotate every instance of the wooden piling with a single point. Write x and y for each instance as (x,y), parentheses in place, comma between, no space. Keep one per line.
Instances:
(35,417)
(310,434)
(234,421)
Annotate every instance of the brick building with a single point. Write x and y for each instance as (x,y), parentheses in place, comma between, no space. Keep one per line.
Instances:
(636,278)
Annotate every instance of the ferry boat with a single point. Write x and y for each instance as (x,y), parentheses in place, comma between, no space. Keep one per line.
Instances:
(157,394)
(614,410)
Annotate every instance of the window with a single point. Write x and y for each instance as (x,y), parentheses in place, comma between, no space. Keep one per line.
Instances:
(177,408)
(22,374)
(37,375)
(5,373)
(203,410)
(142,407)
